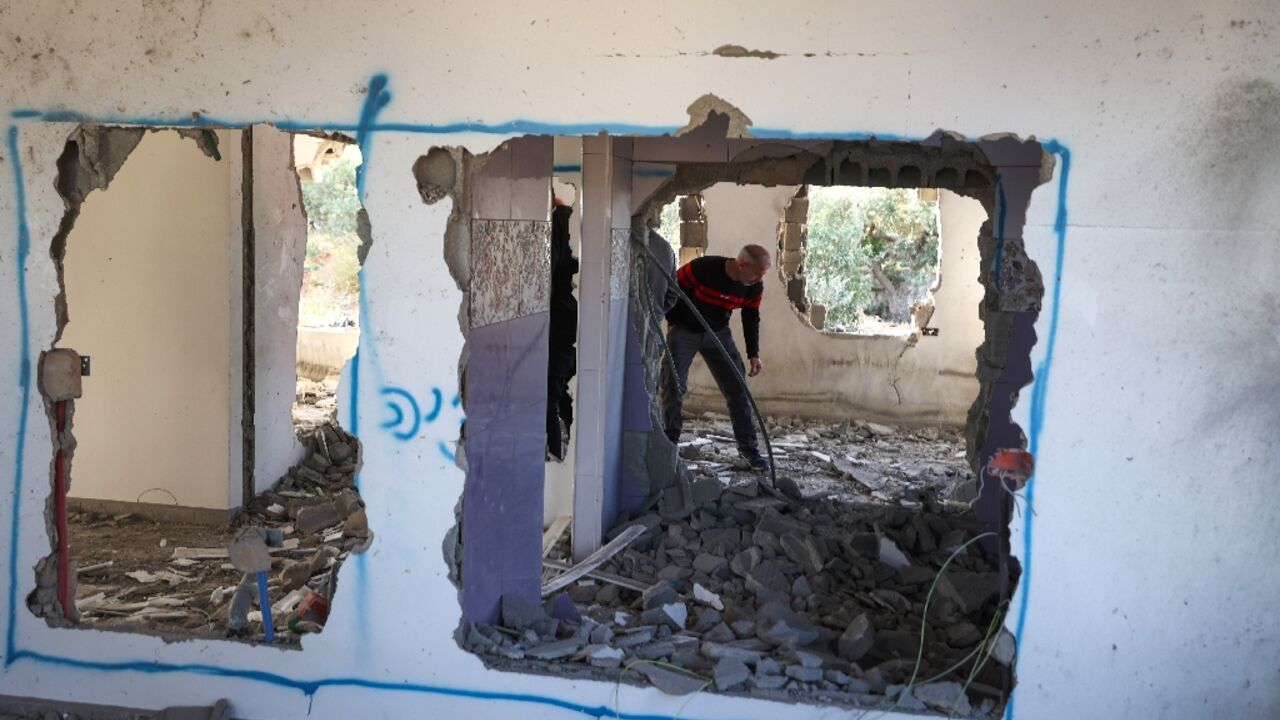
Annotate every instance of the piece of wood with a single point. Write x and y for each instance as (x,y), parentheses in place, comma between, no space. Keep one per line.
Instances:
(553,534)
(95,567)
(594,560)
(618,580)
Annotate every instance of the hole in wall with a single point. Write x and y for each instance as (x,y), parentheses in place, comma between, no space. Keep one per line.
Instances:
(860,260)
(817,601)
(154,272)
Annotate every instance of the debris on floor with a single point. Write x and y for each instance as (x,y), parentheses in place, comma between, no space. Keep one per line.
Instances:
(821,600)
(169,577)
(854,461)
(315,403)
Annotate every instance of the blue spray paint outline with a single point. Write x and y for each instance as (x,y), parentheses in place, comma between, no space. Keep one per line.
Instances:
(24,380)
(373,104)
(1039,394)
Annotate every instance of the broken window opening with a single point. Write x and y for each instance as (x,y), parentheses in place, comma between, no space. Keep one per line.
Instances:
(152,274)
(859,260)
(329,303)
(818,600)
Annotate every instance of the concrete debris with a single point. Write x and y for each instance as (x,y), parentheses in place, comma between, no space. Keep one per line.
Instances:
(891,555)
(671,682)
(729,672)
(752,594)
(857,639)
(706,597)
(947,697)
(177,588)
(1004,648)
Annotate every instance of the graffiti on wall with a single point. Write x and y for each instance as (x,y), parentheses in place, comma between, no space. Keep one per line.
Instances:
(407,415)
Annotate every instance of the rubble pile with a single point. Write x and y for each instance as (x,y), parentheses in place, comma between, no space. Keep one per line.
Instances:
(188,590)
(820,600)
(856,461)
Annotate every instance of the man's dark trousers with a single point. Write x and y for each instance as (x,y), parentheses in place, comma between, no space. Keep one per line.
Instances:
(684,344)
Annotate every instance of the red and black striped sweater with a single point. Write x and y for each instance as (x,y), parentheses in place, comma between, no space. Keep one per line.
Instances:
(716,295)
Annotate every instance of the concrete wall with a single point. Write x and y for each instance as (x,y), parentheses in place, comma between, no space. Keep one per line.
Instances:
(149,300)
(1152,414)
(835,375)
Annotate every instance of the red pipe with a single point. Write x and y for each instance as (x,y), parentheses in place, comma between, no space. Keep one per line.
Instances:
(60,513)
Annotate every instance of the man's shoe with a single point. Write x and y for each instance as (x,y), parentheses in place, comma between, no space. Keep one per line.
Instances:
(754,459)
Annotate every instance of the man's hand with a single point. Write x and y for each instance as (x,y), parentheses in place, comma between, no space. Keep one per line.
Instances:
(756,367)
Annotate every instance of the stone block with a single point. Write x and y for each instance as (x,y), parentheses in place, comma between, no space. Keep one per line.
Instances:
(792,261)
(691,209)
(818,316)
(60,374)
(693,235)
(797,210)
(792,236)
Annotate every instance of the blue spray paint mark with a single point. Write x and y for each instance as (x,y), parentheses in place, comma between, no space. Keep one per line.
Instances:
(364,129)
(435,411)
(1001,211)
(566,168)
(413,416)
(1038,396)
(311,687)
(24,380)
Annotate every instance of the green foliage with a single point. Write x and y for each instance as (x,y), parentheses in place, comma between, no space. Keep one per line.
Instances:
(331,273)
(871,251)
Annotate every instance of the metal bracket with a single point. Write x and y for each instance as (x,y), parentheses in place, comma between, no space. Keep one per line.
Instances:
(84,366)
(929,332)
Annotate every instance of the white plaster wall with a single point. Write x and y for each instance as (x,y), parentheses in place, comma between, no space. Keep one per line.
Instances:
(1154,494)
(148,299)
(813,374)
(280,247)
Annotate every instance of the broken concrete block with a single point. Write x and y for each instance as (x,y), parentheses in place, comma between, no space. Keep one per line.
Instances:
(891,555)
(804,674)
(317,517)
(659,595)
(706,490)
(603,656)
(857,639)
(767,580)
(60,374)
(670,681)
(707,619)
(774,522)
(706,597)
(804,551)
(797,210)
(709,564)
(878,429)
(519,613)
(739,651)
(248,549)
(792,236)
(720,634)
(555,650)
(1005,648)
(781,634)
(673,615)
(947,697)
(818,316)
(729,672)
(768,682)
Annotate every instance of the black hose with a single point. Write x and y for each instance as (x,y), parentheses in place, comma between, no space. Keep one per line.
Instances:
(764,431)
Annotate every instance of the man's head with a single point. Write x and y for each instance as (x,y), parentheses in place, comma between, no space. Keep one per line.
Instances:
(753,262)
